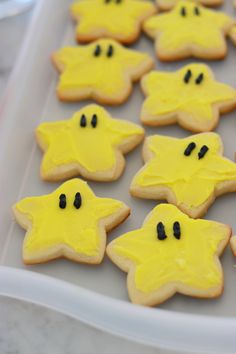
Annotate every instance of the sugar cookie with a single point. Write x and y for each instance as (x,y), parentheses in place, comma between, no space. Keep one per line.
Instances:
(71,222)
(171,253)
(117,19)
(189,30)
(189,172)
(190,96)
(103,71)
(90,144)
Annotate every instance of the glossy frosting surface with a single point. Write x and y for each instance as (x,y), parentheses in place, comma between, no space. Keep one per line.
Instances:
(176,92)
(91,146)
(185,27)
(117,19)
(191,180)
(100,75)
(77,229)
(190,260)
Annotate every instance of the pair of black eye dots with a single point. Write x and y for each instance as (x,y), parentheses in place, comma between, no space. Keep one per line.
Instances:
(183,11)
(161,234)
(77,201)
(192,146)
(98,51)
(188,76)
(114,1)
(83,121)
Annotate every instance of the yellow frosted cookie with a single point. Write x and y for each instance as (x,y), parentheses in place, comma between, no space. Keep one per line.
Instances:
(71,222)
(169,4)
(103,70)
(171,253)
(189,172)
(90,144)
(190,96)
(189,30)
(117,19)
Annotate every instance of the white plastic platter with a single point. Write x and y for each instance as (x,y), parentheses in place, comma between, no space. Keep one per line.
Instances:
(97,295)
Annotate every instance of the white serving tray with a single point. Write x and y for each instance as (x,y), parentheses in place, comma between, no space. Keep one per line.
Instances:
(97,295)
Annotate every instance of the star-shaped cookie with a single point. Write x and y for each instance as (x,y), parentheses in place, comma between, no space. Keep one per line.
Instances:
(169,4)
(190,96)
(189,172)
(171,253)
(70,222)
(117,19)
(91,144)
(189,30)
(103,70)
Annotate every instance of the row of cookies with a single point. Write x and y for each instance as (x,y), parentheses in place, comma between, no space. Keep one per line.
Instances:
(191,96)
(170,253)
(92,144)
(187,30)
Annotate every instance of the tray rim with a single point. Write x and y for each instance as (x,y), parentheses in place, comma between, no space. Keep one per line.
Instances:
(88,307)
(205,332)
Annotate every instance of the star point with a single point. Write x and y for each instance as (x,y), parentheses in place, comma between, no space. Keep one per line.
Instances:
(233,244)
(233,34)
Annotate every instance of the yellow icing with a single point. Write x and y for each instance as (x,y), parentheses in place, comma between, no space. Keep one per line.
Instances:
(120,21)
(100,76)
(190,34)
(169,95)
(168,4)
(191,180)
(190,261)
(77,229)
(95,149)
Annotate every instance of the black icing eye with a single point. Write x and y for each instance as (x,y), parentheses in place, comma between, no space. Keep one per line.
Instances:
(110,51)
(199,79)
(183,11)
(62,201)
(196,11)
(161,231)
(189,149)
(118,1)
(97,51)
(83,122)
(203,151)
(94,121)
(77,201)
(176,230)
(187,76)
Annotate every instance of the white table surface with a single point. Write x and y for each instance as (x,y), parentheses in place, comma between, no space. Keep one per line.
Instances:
(30,329)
